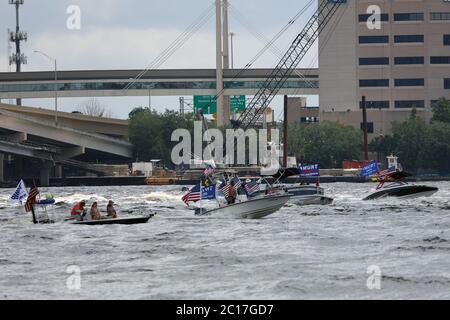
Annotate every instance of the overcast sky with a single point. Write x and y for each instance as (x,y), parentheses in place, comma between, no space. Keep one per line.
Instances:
(130,34)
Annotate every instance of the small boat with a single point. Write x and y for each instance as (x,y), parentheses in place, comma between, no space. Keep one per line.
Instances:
(251,209)
(301,194)
(304,195)
(244,206)
(399,188)
(126,221)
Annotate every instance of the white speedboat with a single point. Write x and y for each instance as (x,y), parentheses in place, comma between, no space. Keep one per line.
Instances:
(301,194)
(304,195)
(400,189)
(256,208)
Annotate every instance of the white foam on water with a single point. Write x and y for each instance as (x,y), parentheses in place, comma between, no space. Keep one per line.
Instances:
(317,252)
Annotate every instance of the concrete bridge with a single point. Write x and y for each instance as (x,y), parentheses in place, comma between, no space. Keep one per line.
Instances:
(31,133)
(102,83)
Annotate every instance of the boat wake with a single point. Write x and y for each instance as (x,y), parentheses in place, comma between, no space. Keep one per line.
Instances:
(162,197)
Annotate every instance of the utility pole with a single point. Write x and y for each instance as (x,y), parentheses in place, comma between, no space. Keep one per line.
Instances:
(232,34)
(366,142)
(17,37)
(56,82)
(182,106)
(285,135)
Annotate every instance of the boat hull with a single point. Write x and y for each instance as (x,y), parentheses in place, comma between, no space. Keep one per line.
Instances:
(311,200)
(404,192)
(252,209)
(125,221)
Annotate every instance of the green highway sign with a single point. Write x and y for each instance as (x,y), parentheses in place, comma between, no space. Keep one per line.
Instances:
(209,105)
(237,104)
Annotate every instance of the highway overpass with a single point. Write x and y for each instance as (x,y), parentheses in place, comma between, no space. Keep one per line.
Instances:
(110,83)
(111,127)
(32,133)
(47,132)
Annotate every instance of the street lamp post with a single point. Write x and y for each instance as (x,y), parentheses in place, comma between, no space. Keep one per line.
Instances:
(232,34)
(56,83)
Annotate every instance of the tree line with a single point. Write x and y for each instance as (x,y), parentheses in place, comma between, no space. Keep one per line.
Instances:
(150,133)
(423,147)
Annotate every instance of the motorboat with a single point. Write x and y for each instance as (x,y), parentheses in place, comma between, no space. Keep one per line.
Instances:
(255,208)
(304,195)
(244,206)
(393,185)
(301,194)
(125,221)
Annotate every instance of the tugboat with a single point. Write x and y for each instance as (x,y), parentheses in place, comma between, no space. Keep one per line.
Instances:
(162,176)
(392,184)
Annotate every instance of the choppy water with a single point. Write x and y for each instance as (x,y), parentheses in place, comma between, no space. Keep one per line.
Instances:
(298,253)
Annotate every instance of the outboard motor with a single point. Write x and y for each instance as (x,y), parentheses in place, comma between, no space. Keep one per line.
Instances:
(200,211)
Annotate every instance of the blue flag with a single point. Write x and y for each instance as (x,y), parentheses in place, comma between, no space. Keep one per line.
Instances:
(209,193)
(370,170)
(21,192)
(309,171)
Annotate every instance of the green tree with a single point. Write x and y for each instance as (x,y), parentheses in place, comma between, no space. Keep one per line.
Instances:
(384,146)
(151,133)
(441,110)
(435,152)
(327,143)
(410,137)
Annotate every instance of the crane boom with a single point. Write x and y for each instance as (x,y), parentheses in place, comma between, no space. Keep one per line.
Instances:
(297,51)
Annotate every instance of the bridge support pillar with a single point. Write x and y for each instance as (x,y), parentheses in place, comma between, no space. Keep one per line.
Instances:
(58,171)
(2,162)
(44,177)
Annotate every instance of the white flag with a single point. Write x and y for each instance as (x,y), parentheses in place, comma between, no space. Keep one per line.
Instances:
(21,192)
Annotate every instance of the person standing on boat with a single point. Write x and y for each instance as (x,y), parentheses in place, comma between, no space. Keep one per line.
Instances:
(78,211)
(112,214)
(231,199)
(95,212)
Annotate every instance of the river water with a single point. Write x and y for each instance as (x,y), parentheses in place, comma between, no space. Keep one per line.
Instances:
(388,249)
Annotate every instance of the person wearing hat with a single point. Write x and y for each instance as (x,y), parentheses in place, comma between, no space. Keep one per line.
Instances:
(112,214)
(78,211)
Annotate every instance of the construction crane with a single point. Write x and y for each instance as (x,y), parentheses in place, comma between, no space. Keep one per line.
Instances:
(297,51)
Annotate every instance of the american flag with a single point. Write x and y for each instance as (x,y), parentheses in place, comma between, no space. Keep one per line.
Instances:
(34,192)
(225,187)
(208,171)
(193,195)
(384,174)
(237,183)
(251,187)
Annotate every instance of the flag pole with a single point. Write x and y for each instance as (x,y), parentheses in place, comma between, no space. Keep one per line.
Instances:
(201,207)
